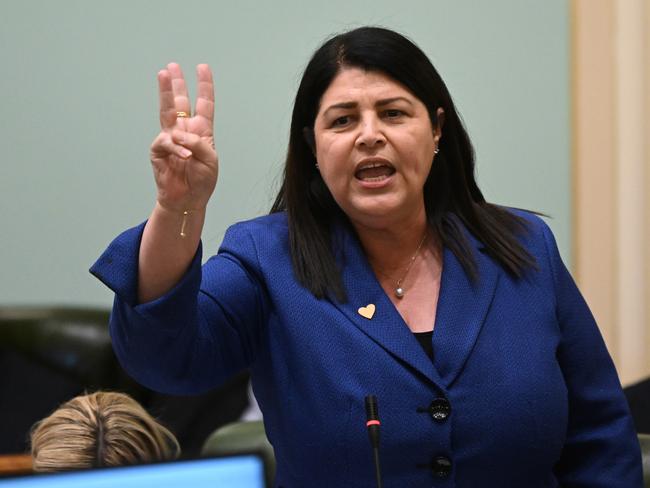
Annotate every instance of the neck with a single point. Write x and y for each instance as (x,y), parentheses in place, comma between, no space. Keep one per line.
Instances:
(390,248)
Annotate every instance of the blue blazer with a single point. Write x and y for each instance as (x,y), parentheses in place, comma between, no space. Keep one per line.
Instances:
(521,391)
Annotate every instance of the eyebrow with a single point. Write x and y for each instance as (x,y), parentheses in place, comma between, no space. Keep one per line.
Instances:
(380,103)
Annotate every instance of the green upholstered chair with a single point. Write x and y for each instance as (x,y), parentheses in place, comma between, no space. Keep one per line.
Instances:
(241,437)
(47,356)
(72,341)
(51,354)
(644,440)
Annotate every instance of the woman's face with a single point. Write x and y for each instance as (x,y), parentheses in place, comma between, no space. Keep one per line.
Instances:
(374,147)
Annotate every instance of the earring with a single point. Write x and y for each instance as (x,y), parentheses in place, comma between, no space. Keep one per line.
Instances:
(436,150)
(317,167)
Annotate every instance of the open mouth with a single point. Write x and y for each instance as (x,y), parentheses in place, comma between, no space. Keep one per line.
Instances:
(374,171)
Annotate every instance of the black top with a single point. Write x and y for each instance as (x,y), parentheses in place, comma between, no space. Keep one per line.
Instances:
(424,338)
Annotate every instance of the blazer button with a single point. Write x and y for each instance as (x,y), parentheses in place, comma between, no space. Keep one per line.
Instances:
(440,409)
(441,466)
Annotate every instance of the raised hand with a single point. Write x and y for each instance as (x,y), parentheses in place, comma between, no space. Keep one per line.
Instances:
(183,155)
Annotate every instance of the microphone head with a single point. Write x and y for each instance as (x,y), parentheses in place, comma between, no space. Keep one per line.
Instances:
(372,411)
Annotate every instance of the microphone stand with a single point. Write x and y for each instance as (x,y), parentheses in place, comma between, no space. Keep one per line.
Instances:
(372,424)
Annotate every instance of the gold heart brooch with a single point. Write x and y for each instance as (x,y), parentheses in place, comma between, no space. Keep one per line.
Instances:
(368,311)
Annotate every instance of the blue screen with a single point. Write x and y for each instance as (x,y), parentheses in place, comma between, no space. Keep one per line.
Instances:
(245,471)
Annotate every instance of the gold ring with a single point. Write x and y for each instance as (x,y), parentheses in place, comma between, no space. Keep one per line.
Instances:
(182,115)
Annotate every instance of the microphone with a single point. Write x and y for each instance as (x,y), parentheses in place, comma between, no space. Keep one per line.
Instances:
(372,424)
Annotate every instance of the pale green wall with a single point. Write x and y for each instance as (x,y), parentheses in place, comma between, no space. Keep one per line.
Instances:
(79,109)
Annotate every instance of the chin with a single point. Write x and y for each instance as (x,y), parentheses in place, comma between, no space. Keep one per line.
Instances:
(383,210)
(375,216)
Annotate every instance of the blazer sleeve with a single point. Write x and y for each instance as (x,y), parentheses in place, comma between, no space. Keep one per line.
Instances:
(197,335)
(601,447)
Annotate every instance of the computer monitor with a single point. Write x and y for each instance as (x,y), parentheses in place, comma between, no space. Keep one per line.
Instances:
(227,471)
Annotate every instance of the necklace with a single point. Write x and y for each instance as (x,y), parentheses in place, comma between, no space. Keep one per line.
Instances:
(399,291)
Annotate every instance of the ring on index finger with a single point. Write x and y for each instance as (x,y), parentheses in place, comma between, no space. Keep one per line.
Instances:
(182,115)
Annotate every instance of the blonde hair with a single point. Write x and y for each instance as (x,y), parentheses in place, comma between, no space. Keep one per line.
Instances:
(99,429)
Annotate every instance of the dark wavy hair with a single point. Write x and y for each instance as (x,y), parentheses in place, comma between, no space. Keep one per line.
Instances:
(451,195)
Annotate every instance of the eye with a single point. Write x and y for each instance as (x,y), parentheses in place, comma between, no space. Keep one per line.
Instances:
(341,121)
(393,113)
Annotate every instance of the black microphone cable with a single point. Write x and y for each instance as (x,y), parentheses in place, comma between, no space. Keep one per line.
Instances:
(372,424)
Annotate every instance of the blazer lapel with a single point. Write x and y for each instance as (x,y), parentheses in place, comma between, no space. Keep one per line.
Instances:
(462,308)
(461,311)
(386,326)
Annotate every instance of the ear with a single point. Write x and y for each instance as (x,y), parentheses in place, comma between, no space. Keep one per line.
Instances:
(308,134)
(440,118)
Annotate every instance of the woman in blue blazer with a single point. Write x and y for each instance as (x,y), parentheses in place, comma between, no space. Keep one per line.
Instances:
(380,271)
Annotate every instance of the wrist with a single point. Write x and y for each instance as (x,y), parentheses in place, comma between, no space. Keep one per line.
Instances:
(177,210)
(183,221)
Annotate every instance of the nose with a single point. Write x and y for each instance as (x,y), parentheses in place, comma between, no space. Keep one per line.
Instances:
(370,132)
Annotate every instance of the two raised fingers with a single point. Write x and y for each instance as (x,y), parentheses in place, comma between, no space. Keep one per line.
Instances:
(174,98)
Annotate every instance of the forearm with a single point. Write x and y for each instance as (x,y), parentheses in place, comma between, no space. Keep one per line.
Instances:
(164,253)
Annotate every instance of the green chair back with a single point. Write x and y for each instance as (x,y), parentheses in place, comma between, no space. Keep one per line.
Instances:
(241,437)
(73,341)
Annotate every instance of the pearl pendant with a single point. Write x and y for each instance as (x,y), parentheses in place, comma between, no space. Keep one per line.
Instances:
(399,292)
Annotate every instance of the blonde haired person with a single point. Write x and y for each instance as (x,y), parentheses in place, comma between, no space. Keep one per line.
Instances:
(99,429)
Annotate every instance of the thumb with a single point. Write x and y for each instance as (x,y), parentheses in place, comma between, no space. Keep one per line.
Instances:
(202,149)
